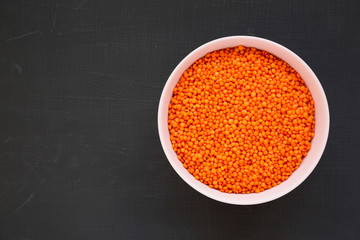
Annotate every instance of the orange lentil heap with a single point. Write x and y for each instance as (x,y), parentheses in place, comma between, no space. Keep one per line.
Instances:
(241,120)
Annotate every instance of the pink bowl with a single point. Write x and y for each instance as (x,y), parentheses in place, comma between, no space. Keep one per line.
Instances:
(322,120)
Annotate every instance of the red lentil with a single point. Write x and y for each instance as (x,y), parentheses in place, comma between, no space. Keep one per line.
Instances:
(241,120)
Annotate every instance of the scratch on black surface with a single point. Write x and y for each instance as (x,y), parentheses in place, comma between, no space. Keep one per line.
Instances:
(55,15)
(82,3)
(24,203)
(21,36)
(17,67)
(7,140)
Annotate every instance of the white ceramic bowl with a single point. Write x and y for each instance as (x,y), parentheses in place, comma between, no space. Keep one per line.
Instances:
(322,120)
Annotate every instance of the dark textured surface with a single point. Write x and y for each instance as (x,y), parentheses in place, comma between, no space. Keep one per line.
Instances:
(80,156)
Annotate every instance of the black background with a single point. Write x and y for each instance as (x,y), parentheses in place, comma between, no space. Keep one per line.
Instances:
(80,156)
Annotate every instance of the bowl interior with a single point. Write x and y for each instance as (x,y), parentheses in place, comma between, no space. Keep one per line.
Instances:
(321,120)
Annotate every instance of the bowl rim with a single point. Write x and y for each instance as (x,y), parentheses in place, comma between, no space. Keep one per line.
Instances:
(163,104)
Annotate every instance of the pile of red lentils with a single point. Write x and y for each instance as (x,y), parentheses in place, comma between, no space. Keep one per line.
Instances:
(241,120)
